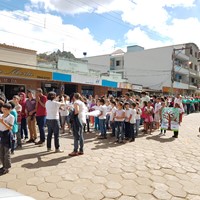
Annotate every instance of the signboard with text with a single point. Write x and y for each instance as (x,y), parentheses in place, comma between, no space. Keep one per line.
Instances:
(9,71)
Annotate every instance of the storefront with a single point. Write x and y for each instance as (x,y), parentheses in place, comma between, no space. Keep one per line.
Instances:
(14,79)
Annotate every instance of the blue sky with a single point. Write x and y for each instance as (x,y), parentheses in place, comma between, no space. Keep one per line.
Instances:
(98,26)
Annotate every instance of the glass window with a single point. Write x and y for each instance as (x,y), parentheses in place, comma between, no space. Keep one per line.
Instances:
(117,62)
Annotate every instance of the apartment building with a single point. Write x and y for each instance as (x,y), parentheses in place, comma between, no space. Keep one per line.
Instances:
(169,69)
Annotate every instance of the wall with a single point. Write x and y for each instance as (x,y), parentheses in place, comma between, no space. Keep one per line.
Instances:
(17,55)
(101,63)
(150,68)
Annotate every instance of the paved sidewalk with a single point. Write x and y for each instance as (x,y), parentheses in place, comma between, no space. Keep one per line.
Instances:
(151,168)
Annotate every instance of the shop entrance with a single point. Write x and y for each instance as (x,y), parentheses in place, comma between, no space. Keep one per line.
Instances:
(87,90)
(70,89)
(2,90)
(11,90)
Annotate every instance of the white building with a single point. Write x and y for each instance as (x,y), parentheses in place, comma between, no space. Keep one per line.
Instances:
(157,68)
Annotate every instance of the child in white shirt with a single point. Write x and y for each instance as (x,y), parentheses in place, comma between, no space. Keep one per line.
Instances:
(133,122)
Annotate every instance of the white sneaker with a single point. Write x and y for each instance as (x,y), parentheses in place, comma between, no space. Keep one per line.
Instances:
(59,151)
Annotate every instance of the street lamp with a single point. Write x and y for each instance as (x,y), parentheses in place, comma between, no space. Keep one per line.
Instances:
(173,66)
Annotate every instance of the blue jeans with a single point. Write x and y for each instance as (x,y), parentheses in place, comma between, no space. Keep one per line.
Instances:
(41,120)
(137,126)
(119,130)
(132,130)
(112,124)
(24,130)
(107,122)
(127,129)
(53,128)
(102,125)
(96,123)
(78,134)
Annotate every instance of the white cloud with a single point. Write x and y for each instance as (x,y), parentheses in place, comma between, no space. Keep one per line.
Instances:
(49,34)
(139,37)
(141,14)
(69,6)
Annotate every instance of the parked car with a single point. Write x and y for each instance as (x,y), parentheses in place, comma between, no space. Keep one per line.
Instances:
(8,194)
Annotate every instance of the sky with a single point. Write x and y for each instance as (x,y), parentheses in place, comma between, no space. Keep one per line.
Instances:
(98,26)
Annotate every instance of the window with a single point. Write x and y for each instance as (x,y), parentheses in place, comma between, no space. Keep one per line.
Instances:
(117,62)
(192,79)
(191,51)
(195,54)
(191,65)
(195,67)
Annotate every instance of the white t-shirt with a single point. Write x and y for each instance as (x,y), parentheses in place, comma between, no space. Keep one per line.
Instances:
(103,110)
(138,113)
(119,113)
(95,107)
(127,114)
(8,120)
(109,108)
(52,108)
(82,111)
(112,113)
(179,102)
(18,108)
(145,98)
(133,116)
(64,111)
(157,107)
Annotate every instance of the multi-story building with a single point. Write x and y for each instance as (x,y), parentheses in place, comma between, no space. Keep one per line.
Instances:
(170,69)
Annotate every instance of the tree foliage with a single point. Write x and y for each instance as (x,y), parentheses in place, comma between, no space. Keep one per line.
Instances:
(53,57)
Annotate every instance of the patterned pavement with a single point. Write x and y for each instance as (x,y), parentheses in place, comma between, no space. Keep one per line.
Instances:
(153,167)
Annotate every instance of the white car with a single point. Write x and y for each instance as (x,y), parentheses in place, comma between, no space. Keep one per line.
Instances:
(8,194)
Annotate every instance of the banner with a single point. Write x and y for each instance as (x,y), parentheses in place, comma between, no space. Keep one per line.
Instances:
(170,119)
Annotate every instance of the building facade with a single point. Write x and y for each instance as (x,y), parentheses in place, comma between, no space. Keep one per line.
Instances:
(170,69)
(20,71)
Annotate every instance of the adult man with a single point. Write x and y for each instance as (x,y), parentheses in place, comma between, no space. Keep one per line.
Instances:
(128,99)
(31,120)
(144,97)
(41,114)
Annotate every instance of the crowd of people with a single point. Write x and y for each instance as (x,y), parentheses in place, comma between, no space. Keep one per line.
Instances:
(24,114)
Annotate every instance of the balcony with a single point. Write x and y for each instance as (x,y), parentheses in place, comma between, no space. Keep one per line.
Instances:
(194,73)
(182,56)
(181,70)
(178,84)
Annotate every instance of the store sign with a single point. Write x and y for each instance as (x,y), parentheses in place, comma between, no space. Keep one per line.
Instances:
(76,78)
(137,88)
(24,73)
(125,85)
